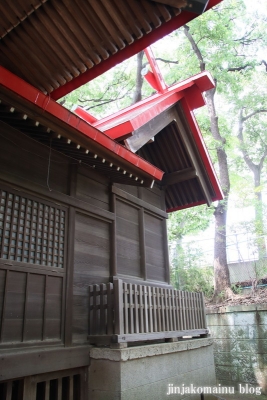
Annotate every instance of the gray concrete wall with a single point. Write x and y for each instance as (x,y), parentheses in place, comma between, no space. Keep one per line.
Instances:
(240,344)
(144,372)
(242,271)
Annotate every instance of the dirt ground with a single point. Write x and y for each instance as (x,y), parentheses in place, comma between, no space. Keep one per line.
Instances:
(259,297)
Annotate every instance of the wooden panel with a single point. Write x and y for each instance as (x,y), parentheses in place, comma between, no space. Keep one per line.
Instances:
(14,307)
(153,196)
(35,307)
(128,246)
(91,265)
(16,365)
(133,190)
(138,202)
(31,306)
(92,191)
(2,294)
(155,259)
(53,309)
(25,158)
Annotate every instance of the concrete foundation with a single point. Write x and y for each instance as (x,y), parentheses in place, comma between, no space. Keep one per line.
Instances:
(145,372)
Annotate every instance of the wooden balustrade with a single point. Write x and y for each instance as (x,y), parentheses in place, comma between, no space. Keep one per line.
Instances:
(125,312)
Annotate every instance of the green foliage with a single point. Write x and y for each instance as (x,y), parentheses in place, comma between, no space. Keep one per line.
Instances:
(185,271)
(232,40)
(236,289)
(189,221)
(193,279)
(260,268)
(109,92)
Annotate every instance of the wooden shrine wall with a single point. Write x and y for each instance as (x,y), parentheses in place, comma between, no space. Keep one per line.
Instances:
(73,228)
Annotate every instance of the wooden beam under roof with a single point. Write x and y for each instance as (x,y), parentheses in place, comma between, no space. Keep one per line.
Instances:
(194,160)
(179,176)
(173,3)
(145,133)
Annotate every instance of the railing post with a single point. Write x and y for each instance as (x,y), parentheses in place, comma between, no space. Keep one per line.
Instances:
(203,312)
(118,307)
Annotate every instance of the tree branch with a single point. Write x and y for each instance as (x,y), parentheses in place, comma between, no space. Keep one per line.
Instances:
(263,158)
(195,48)
(252,114)
(240,137)
(233,69)
(167,61)
(264,63)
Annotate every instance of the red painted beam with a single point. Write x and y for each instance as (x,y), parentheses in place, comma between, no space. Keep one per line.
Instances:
(129,51)
(52,109)
(202,150)
(202,80)
(160,83)
(118,128)
(196,203)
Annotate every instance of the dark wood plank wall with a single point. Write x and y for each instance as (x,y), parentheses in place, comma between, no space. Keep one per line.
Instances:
(154,242)
(93,189)
(140,233)
(91,265)
(128,240)
(31,304)
(32,298)
(24,158)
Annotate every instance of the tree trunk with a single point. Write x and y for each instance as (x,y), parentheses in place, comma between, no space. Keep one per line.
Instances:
(137,96)
(256,169)
(222,282)
(259,225)
(221,271)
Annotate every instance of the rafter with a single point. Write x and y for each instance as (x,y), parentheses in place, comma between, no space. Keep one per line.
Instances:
(179,176)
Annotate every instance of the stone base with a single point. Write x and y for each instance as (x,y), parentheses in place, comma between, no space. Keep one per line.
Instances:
(146,372)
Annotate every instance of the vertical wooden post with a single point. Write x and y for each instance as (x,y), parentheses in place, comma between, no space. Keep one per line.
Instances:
(146,327)
(166,251)
(126,306)
(59,388)
(47,386)
(73,170)
(110,308)
(29,389)
(103,322)
(25,307)
(141,308)
(183,309)
(70,388)
(69,276)
(142,244)
(44,310)
(150,302)
(8,391)
(204,320)
(159,309)
(137,311)
(113,241)
(118,307)
(96,312)
(162,304)
(131,326)
(173,294)
(155,310)
(179,311)
(2,321)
